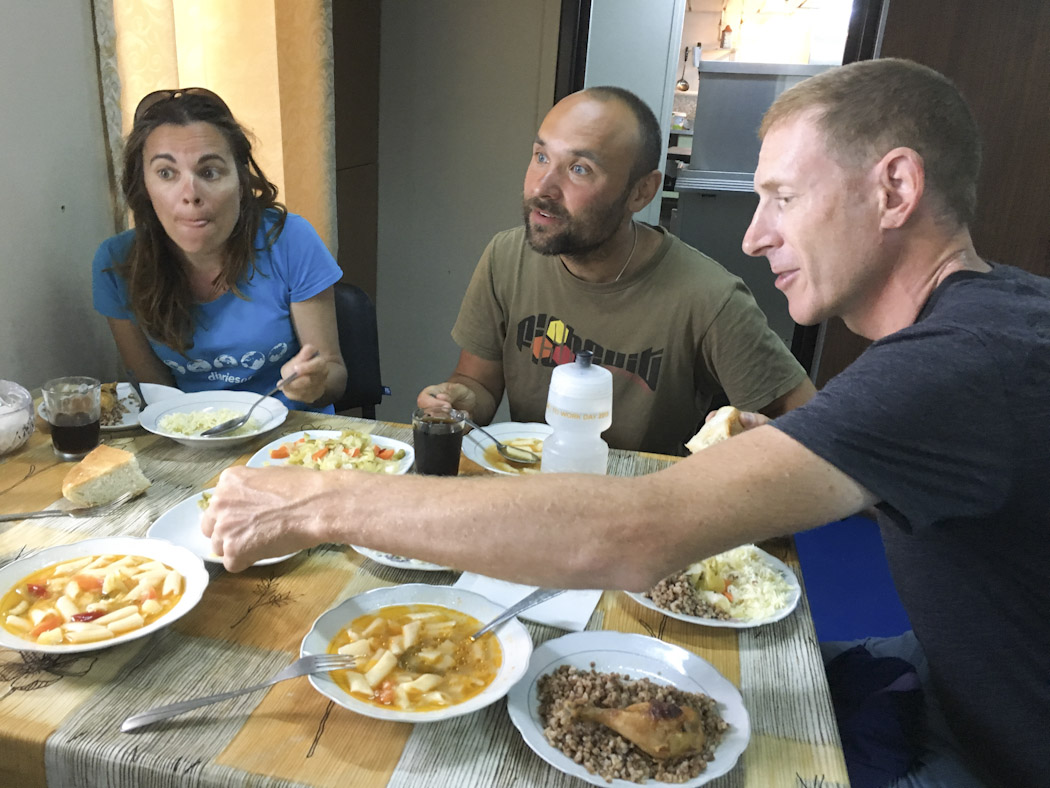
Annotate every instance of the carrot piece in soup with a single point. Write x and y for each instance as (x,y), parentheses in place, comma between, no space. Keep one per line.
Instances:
(50,621)
(88,582)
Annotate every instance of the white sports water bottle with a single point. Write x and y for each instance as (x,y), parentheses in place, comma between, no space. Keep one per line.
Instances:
(579,408)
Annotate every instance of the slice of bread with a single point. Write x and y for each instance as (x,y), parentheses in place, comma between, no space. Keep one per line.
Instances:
(102,476)
(724,424)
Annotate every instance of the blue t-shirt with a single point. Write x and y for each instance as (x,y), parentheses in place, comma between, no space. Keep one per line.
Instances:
(238,343)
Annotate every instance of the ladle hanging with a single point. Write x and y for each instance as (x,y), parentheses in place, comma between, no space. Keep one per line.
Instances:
(681,84)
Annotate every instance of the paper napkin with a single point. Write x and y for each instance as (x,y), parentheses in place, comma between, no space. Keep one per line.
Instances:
(569,610)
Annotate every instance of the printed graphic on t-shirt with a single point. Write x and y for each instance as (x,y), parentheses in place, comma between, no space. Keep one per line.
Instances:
(551,342)
(228,368)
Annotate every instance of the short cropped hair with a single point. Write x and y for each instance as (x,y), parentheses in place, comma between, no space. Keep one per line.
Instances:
(650,138)
(868,108)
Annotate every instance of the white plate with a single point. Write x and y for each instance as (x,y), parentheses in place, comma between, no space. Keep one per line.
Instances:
(270,414)
(182,560)
(793,596)
(475,442)
(181,525)
(261,458)
(153,392)
(513,639)
(398,561)
(637,656)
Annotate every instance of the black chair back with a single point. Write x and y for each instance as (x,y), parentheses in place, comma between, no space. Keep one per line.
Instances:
(359,344)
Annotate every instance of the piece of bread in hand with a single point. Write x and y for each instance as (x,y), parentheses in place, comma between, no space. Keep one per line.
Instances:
(104,475)
(724,424)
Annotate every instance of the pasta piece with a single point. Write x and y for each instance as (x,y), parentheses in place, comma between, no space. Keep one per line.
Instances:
(66,607)
(172,583)
(152,579)
(89,634)
(375,628)
(435,698)
(51,637)
(19,623)
(358,683)
(70,567)
(150,566)
(152,607)
(19,609)
(114,582)
(359,648)
(386,663)
(410,632)
(116,615)
(126,624)
(425,682)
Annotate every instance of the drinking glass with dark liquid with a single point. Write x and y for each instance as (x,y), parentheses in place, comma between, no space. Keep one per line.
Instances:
(437,434)
(73,411)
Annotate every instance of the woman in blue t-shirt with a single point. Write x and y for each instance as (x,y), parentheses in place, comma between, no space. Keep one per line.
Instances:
(217,286)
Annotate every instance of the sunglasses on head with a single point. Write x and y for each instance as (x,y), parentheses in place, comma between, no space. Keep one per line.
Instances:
(150,100)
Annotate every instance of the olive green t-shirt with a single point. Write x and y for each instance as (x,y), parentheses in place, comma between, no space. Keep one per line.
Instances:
(672,333)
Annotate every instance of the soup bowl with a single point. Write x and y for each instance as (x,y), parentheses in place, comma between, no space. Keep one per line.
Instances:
(514,641)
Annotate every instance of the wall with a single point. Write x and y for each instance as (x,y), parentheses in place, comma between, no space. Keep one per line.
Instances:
(464,85)
(55,204)
(632,45)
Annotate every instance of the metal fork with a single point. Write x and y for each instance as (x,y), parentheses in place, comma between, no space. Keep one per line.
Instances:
(84,511)
(311,663)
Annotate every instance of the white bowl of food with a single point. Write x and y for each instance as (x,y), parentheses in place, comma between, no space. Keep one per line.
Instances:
(739,589)
(480,448)
(441,674)
(560,704)
(184,417)
(336,450)
(96,593)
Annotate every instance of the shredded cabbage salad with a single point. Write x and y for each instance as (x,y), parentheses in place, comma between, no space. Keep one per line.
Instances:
(351,449)
(740,582)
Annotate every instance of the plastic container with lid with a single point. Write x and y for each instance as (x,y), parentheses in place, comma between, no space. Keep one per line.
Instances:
(16,416)
(579,408)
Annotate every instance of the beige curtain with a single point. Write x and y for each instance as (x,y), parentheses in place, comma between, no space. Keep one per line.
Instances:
(270,60)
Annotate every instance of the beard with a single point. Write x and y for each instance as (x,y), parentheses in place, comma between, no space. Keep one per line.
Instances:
(576,236)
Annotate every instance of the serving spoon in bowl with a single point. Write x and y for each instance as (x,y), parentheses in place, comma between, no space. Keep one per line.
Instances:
(511,453)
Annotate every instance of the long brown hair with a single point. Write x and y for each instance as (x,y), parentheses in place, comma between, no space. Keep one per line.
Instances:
(158,289)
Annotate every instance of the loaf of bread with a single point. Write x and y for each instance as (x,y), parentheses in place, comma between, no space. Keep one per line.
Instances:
(724,424)
(102,476)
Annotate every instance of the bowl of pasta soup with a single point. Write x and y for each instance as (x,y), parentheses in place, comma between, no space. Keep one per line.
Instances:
(96,593)
(416,660)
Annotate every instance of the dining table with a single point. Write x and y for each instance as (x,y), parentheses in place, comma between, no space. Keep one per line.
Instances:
(61,714)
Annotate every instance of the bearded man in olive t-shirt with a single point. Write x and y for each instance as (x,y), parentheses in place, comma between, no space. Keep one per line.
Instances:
(672,325)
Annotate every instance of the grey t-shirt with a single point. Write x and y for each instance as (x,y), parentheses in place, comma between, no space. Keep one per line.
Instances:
(948,422)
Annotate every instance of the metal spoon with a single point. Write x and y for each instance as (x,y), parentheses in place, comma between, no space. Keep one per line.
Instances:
(512,453)
(232,424)
(533,599)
